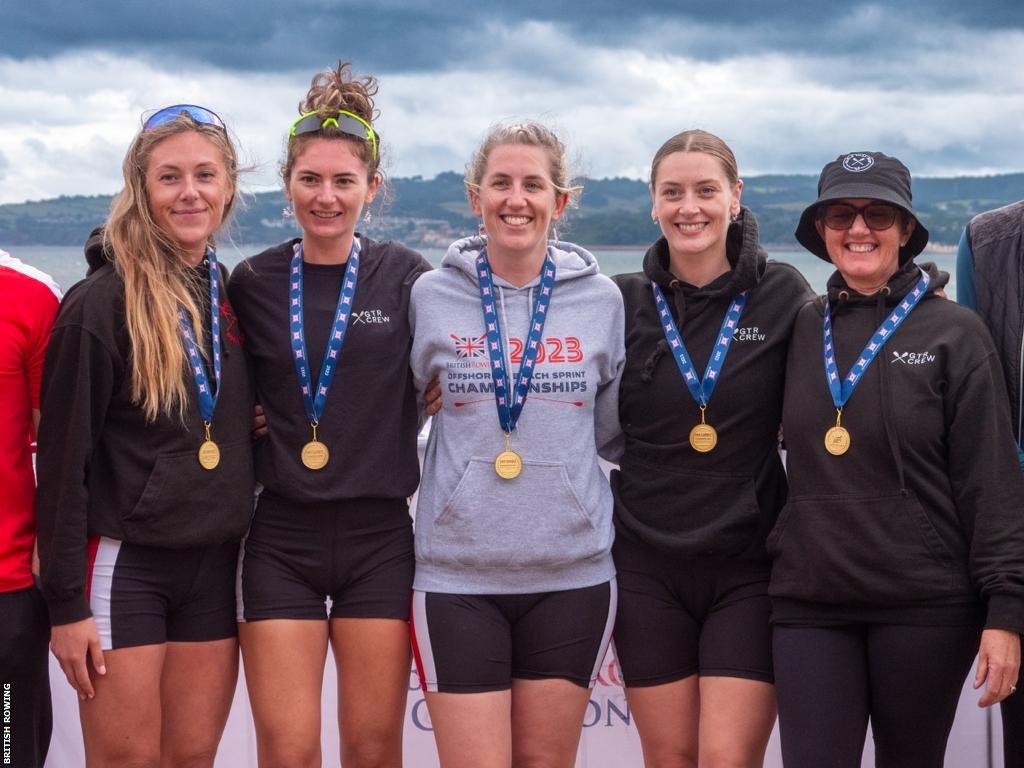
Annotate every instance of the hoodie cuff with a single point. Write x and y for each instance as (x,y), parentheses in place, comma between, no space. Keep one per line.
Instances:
(1005,612)
(68,611)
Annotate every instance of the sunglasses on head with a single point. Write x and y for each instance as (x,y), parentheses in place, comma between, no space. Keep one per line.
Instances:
(346,122)
(201,115)
(840,216)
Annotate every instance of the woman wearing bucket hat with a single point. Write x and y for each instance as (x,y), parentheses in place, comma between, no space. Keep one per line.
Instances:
(902,542)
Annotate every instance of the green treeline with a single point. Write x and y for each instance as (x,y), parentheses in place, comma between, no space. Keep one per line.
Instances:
(433,212)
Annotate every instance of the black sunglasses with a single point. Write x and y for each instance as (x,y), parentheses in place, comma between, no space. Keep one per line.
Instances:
(840,216)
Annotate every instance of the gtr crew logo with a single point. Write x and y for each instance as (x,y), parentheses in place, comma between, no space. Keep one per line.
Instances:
(370,317)
(856,162)
(912,358)
(748,333)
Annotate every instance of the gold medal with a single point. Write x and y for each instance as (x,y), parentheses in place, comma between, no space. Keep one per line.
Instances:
(314,453)
(209,453)
(837,439)
(703,437)
(509,464)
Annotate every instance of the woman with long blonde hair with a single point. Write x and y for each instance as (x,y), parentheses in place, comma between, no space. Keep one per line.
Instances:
(145,463)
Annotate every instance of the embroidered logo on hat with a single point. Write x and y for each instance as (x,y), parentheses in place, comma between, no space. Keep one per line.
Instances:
(857,162)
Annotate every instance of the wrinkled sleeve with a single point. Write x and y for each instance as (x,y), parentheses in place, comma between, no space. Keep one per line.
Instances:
(989,490)
(78,382)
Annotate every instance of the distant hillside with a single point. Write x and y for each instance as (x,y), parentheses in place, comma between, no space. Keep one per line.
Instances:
(433,212)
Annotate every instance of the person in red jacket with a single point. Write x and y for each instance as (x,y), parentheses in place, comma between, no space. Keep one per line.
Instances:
(28,303)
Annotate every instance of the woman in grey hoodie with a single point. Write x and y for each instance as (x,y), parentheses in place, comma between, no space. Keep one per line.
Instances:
(514,596)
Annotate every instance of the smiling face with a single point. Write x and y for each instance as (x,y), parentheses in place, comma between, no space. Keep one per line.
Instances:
(328,188)
(865,257)
(517,201)
(693,202)
(188,188)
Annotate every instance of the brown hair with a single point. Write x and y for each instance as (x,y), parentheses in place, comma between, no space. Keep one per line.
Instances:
(698,141)
(157,278)
(529,134)
(330,91)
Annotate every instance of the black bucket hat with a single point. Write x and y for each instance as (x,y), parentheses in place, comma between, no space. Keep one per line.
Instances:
(867,175)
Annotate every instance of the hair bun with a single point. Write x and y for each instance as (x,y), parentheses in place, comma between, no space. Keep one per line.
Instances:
(338,89)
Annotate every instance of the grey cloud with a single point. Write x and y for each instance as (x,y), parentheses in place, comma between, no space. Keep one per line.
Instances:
(388,36)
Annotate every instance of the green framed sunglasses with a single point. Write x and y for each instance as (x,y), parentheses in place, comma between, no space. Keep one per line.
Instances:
(343,120)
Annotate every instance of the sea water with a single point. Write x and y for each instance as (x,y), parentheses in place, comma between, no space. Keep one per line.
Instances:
(67,265)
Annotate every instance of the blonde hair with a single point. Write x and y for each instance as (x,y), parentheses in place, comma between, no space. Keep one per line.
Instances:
(331,91)
(156,275)
(530,134)
(698,141)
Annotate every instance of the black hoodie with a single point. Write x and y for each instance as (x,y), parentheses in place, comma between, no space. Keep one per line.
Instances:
(667,495)
(104,469)
(922,520)
(371,417)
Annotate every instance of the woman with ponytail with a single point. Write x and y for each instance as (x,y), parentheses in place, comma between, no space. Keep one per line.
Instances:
(145,464)
(328,561)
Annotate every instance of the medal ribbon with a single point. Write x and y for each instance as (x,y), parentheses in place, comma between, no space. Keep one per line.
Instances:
(700,389)
(206,399)
(509,408)
(841,389)
(315,402)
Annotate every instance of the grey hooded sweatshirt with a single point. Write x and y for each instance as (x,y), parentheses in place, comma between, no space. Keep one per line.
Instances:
(550,528)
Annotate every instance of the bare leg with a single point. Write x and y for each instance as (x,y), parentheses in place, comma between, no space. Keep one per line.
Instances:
(372,656)
(121,725)
(197,687)
(284,672)
(736,719)
(472,729)
(547,720)
(668,719)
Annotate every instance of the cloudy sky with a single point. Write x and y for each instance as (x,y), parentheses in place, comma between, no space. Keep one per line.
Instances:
(939,83)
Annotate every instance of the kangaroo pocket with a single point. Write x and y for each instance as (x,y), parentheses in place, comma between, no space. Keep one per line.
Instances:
(860,551)
(534,520)
(184,505)
(694,512)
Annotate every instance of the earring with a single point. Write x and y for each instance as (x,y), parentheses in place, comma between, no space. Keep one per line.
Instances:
(734,218)
(366,217)
(554,234)
(287,212)
(480,230)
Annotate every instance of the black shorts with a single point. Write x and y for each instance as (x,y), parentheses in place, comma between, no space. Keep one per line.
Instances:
(479,643)
(150,595)
(357,554)
(680,617)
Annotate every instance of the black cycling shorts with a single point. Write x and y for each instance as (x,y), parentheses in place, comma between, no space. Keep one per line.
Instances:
(680,617)
(355,556)
(141,595)
(479,643)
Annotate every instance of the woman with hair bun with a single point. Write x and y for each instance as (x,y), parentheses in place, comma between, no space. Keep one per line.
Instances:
(708,325)
(515,588)
(326,325)
(145,460)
